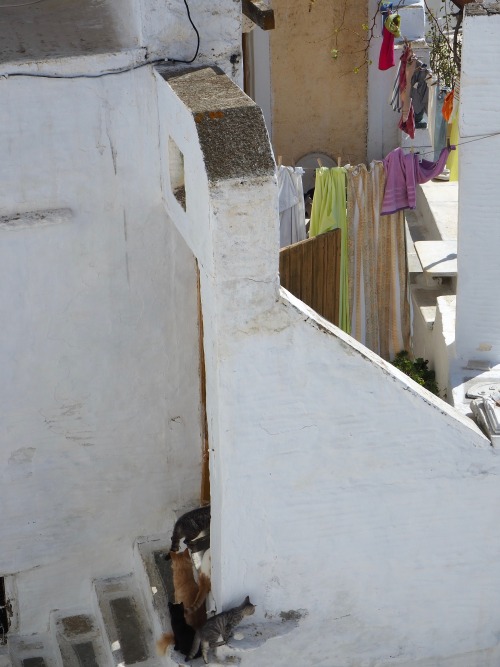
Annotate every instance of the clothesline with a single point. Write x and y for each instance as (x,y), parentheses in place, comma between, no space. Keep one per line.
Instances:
(461,143)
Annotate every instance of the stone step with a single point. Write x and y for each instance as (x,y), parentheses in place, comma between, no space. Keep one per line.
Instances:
(80,641)
(438,258)
(437,205)
(154,576)
(424,302)
(36,650)
(125,623)
(5,660)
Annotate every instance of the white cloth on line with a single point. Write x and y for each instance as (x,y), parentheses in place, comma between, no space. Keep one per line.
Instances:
(291,205)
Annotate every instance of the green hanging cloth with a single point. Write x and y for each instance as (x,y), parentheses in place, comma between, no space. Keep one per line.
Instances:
(329,212)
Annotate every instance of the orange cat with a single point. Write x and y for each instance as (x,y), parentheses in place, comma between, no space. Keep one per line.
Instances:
(186,588)
(204,583)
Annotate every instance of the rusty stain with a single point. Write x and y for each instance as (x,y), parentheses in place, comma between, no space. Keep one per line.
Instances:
(198,118)
(215,114)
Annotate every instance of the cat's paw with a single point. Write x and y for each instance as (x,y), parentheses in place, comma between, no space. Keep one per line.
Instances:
(238,636)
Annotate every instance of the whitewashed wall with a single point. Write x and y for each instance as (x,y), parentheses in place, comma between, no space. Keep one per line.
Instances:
(42,31)
(340,489)
(99,400)
(477,324)
(167,32)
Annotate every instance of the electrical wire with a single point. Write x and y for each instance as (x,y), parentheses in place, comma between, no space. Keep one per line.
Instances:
(24,4)
(83,76)
(118,71)
(188,62)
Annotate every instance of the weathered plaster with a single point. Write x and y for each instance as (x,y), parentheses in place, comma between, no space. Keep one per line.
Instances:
(317,446)
(318,103)
(100,406)
(57,28)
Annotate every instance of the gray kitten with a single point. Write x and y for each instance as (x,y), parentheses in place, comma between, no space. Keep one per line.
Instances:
(220,625)
(190,525)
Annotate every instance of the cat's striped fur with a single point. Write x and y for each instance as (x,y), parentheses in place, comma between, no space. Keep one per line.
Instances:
(220,625)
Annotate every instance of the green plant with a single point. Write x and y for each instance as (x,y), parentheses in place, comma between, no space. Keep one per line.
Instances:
(417,370)
(445,44)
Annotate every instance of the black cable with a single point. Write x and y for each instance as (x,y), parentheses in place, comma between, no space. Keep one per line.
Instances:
(188,62)
(84,76)
(117,71)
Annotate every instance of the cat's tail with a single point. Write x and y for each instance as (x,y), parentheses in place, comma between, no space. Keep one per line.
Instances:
(204,586)
(195,646)
(166,640)
(176,538)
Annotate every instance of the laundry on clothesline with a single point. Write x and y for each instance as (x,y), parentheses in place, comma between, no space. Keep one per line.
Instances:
(410,91)
(390,30)
(291,205)
(403,173)
(329,212)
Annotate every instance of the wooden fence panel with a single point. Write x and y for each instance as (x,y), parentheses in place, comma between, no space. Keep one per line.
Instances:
(310,270)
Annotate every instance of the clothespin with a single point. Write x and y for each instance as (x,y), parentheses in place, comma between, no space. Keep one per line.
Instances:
(319,162)
(448,144)
(339,161)
(279,160)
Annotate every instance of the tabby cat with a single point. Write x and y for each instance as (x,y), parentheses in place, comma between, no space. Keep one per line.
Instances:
(190,525)
(220,625)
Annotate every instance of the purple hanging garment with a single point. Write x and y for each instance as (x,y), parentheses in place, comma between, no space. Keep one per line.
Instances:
(403,172)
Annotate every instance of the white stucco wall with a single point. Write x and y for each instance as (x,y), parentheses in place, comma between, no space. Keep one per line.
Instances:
(340,489)
(48,31)
(477,325)
(167,32)
(100,405)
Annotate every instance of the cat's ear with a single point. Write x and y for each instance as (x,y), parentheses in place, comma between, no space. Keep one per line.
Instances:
(247,600)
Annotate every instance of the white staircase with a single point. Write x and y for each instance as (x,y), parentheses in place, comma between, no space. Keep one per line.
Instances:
(431,235)
(129,614)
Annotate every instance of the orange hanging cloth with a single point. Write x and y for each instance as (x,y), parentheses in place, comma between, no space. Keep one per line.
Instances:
(447,109)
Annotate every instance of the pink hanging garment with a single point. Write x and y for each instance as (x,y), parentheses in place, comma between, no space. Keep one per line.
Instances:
(386,57)
(426,170)
(403,172)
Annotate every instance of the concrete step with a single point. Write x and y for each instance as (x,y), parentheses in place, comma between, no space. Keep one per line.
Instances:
(38,650)
(5,660)
(125,623)
(154,576)
(437,205)
(80,640)
(438,258)
(424,302)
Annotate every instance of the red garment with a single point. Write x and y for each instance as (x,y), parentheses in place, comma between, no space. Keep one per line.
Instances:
(408,125)
(408,65)
(386,58)
(447,109)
